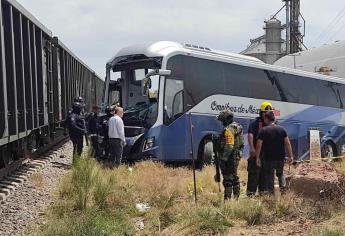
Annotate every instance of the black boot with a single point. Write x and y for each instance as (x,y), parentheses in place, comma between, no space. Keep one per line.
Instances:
(227,193)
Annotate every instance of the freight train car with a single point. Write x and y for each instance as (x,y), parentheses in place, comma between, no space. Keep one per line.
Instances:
(39,76)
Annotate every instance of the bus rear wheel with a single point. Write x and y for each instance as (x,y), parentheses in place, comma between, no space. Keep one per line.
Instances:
(328,150)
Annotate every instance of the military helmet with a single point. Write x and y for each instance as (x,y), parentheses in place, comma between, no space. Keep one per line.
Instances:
(79,100)
(108,111)
(266,106)
(225,115)
(77,105)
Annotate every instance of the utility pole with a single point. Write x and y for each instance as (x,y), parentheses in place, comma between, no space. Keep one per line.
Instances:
(287,8)
(294,36)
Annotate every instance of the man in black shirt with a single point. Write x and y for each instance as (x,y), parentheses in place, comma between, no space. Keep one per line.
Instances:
(273,141)
(256,178)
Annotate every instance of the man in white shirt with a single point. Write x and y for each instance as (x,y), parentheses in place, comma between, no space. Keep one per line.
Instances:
(116,132)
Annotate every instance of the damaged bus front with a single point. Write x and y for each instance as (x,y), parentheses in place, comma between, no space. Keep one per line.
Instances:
(133,82)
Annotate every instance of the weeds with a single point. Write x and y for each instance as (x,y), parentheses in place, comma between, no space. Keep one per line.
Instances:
(104,187)
(328,231)
(96,200)
(84,179)
(206,220)
(89,223)
(37,180)
(250,210)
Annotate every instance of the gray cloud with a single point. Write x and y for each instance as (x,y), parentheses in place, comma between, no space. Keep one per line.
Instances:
(95,30)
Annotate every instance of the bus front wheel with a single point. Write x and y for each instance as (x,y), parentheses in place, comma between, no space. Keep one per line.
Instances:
(328,150)
(205,154)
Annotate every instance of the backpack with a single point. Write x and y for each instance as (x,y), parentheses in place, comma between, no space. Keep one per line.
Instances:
(237,130)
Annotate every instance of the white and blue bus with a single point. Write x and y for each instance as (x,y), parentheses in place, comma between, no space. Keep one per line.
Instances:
(166,87)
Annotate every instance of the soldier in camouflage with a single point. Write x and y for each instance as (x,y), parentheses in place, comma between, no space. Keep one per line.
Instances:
(230,154)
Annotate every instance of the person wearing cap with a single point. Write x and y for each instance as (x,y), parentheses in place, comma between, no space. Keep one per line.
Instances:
(270,152)
(256,177)
(231,146)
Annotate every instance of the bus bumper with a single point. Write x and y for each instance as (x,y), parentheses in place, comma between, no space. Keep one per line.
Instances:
(133,151)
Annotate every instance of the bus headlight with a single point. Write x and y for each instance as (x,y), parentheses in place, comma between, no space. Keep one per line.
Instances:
(149,143)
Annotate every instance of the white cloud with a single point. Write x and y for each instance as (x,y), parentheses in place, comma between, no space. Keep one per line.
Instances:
(95,30)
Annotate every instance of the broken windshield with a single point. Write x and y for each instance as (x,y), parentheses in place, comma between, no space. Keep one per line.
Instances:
(139,110)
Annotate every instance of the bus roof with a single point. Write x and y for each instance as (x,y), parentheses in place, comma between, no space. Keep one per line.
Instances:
(166,48)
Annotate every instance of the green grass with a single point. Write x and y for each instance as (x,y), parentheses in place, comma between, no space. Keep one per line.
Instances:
(97,200)
(205,220)
(89,223)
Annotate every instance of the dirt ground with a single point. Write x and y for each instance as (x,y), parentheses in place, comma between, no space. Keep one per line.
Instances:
(297,227)
(315,180)
(311,180)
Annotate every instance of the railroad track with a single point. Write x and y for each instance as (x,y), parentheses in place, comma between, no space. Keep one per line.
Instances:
(18,172)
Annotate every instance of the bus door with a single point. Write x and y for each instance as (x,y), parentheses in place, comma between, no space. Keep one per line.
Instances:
(175,121)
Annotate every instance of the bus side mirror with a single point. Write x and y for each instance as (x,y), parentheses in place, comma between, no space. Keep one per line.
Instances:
(146,83)
(145,86)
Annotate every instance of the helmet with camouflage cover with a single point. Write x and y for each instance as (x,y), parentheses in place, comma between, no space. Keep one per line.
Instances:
(226,117)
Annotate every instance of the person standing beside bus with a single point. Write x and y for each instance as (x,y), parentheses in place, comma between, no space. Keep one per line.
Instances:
(116,133)
(256,177)
(270,152)
(231,146)
(93,130)
(76,127)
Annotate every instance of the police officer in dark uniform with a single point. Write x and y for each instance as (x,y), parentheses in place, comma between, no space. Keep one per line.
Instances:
(256,177)
(77,126)
(103,132)
(93,123)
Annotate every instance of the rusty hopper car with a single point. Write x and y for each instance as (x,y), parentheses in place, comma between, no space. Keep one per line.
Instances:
(39,76)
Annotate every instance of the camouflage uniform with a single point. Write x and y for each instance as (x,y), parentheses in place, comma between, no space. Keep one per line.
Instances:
(232,145)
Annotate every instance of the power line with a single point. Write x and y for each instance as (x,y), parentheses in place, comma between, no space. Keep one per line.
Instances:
(330,26)
(337,32)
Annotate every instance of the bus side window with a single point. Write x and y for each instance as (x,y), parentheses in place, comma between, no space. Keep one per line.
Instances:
(177,107)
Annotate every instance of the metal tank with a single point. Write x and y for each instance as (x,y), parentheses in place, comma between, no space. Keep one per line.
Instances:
(269,47)
(273,40)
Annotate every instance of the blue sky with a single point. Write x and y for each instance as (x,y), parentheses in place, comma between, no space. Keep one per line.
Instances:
(96,30)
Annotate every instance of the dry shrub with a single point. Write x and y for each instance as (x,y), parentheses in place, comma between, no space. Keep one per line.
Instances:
(328,231)
(66,187)
(84,177)
(105,184)
(340,166)
(205,220)
(110,195)
(288,205)
(250,210)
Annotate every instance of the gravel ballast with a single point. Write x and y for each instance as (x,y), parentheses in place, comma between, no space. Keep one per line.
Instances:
(26,205)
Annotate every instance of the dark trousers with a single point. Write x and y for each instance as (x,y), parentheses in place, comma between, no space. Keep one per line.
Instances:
(116,149)
(269,168)
(105,145)
(77,145)
(95,147)
(256,177)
